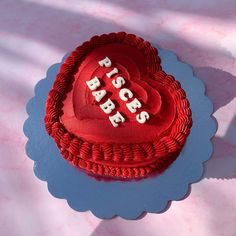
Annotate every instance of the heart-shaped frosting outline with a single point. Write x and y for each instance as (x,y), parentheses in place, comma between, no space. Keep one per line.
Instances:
(105,159)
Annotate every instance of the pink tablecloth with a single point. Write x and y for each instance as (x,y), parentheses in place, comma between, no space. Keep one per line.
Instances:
(36,33)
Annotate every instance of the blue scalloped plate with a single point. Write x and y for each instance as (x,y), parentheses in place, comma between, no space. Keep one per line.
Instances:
(116,198)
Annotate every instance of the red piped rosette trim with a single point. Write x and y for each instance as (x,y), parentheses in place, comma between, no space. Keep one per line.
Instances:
(108,159)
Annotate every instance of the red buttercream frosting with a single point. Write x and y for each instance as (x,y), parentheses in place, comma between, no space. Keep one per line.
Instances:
(83,131)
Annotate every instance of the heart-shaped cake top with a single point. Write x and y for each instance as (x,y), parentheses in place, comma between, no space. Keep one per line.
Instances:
(114,112)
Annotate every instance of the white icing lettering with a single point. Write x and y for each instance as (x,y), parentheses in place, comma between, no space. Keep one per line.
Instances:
(111,73)
(132,106)
(99,95)
(93,83)
(108,106)
(105,62)
(142,117)
(123,92)
(116,119)
(118,82)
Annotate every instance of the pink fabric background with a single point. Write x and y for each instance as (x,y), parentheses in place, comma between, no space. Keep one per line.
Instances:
(35,34)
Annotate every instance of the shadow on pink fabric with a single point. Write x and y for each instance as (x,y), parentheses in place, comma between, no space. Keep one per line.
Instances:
(223,90)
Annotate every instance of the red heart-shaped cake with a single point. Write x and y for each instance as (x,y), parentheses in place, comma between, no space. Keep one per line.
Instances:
(114,112)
